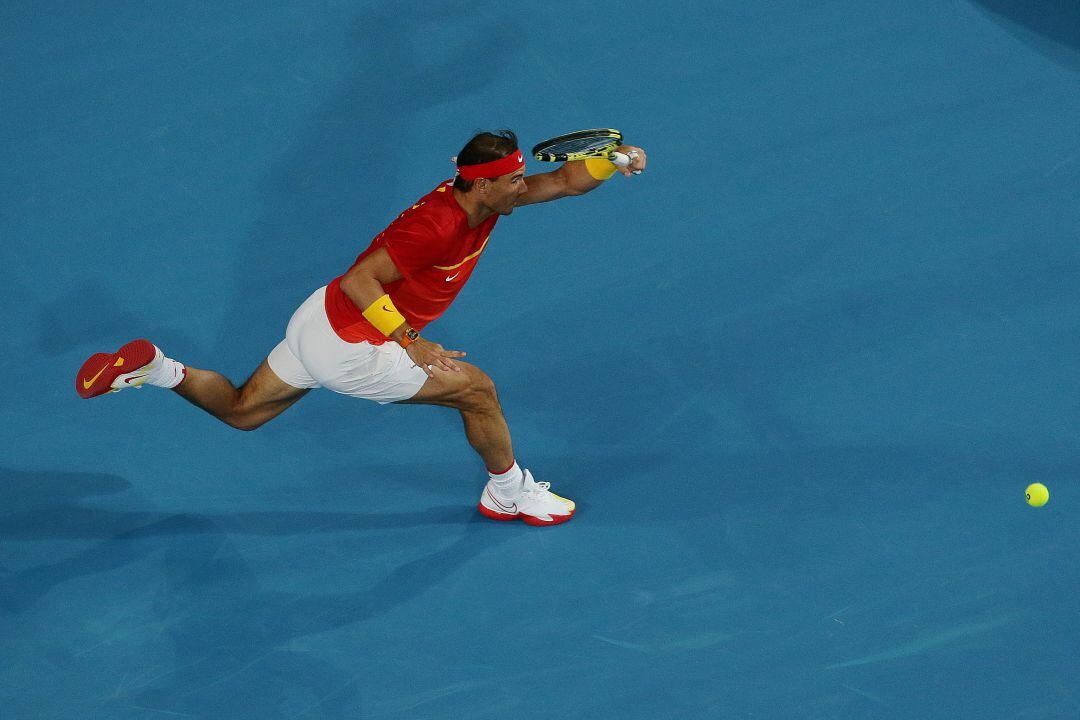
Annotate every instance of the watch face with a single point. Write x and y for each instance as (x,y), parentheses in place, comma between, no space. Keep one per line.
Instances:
(412,334)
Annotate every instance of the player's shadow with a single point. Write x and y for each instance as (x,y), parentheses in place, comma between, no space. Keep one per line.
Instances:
(44,506)
(1051,27)
(24,491)
(231,637)
(28,500)
(76,522)
(229,634)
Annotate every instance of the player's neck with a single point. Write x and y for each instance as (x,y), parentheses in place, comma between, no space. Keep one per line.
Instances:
(475,210)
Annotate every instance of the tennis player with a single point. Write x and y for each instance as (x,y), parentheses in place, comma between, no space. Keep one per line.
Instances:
(360,335)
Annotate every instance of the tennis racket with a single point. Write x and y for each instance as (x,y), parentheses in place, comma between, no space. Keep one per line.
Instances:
(596,143)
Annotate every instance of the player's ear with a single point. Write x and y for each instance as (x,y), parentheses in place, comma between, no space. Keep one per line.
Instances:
(481,184)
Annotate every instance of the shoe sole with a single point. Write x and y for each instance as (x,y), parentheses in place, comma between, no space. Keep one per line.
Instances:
(100,370)
(527,519)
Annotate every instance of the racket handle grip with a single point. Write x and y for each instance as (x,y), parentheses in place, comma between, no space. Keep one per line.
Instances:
(622,160)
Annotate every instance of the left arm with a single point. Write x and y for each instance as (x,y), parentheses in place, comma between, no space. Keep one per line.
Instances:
(572,178)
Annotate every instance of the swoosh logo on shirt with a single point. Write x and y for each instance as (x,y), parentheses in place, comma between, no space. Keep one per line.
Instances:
(452,276)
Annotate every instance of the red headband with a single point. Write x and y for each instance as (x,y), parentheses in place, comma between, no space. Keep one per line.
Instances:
(496,168)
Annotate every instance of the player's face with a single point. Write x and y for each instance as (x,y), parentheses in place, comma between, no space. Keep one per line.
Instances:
(504,191)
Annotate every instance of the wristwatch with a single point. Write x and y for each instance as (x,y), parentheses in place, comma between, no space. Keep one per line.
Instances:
(408,338)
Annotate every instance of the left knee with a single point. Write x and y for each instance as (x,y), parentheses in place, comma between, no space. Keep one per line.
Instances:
(244,421)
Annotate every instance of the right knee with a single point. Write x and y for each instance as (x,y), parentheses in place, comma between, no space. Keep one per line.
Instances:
(479,394)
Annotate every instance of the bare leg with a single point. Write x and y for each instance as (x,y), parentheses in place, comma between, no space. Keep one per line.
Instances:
(262,398)
(489,435)
(514,496)
(473,394)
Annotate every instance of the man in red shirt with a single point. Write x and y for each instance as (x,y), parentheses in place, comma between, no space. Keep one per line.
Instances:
(360,335)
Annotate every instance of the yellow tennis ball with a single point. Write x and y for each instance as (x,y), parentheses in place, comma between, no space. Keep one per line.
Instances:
(1037,494)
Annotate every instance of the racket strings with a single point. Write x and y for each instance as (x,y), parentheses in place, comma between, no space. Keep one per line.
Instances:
(599,142)
(579,145)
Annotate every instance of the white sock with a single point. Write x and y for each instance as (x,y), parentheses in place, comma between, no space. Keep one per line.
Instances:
(508,484)
(168,373)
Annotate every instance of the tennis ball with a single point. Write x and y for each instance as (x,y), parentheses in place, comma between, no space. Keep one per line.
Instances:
(1037,494)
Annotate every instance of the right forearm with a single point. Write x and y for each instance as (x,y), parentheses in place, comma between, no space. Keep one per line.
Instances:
(368,294)
(365,284)
(362,289)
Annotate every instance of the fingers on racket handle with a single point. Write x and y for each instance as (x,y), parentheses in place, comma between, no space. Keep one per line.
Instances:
(622,160)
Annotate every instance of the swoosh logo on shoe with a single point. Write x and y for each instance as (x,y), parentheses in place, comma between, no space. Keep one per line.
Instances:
(87,383)
(507,508)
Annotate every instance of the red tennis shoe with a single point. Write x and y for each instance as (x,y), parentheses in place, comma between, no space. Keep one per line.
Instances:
(130,366)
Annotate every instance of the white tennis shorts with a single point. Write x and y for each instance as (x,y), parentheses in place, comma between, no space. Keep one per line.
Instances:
(312,355)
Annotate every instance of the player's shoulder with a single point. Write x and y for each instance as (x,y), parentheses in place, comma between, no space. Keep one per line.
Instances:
(439,205)
(433,213)
(440,201)
(439,198)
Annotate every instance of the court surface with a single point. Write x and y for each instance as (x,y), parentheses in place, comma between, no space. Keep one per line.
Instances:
(797,376)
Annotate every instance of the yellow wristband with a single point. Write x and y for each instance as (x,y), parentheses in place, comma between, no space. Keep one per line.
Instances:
(384,316)
(600,168)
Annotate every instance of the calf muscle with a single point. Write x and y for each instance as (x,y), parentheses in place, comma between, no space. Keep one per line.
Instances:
(473,394)
(262,398)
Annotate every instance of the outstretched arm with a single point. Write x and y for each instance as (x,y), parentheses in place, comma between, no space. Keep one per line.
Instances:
(573,178)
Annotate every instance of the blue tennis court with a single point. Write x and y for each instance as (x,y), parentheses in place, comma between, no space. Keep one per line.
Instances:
(797,375)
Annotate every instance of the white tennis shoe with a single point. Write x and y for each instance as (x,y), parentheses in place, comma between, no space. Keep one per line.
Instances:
(534,504)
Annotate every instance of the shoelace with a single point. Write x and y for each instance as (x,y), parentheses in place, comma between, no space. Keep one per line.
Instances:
(538,488)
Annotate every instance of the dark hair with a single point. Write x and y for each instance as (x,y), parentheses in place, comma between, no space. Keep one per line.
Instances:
(484,147)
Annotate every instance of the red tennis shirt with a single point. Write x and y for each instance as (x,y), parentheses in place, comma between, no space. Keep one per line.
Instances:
(435,251)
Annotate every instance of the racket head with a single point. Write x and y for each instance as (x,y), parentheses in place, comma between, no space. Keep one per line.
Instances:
(595,143)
